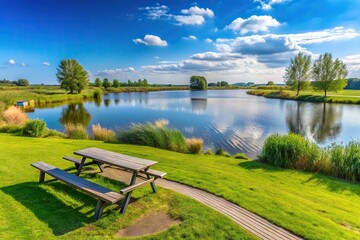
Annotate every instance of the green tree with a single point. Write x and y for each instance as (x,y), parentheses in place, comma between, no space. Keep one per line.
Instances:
(106,83)
(298,74)
(218,84)
(224,84)
(98,82)
(329,75)
(270,83)
(22,82)
(116,83)
(198,82)
(72,76)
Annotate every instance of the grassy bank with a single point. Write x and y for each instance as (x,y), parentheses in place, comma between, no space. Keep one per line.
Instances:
(311,205)
(30,210)
(344,96)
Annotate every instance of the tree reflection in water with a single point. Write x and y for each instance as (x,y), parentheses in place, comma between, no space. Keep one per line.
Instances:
(198,105)
(318,122)
(75,113)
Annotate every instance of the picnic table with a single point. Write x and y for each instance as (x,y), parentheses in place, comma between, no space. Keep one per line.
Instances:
(129,163)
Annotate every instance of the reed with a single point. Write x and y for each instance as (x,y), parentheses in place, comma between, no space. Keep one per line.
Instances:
(75,131)
(15,116)
(103,134)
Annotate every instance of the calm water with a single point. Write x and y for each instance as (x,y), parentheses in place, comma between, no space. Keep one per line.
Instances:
(228,119)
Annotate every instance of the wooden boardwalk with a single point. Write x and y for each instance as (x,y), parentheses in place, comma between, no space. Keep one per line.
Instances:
(250,221)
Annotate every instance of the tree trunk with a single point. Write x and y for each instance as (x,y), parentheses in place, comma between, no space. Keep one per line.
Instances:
(325,92)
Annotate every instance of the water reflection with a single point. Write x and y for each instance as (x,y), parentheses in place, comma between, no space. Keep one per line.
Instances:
(75,113)
(318,122)
(107,102)
(198,105)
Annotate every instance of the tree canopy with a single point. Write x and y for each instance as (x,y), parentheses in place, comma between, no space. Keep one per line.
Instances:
(270,83)
(198,82)
(71,75)
(298,74)
(116,83)
(98,82)
(329,74)
(106,83)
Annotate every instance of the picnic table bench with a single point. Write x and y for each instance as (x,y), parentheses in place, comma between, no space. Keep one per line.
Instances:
(99,157)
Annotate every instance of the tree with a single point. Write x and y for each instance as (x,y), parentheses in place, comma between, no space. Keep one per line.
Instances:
(218,84)
(116,83)
(22,82)
(198,82)
(298,74)
(72,76)
(329,75)
(106,83)
(270,83)
(98,82)
(224,84)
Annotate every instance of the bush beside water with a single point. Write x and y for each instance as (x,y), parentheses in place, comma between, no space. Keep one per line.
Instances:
(295,152)
(75,131)
(34,128)
(103,134)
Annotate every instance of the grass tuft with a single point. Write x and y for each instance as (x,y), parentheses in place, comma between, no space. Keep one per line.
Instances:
(103,134)
(75,131)
(15,116)
(195,145)
(221,152)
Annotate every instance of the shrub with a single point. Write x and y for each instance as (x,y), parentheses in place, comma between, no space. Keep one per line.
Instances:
(54,133)
(345,161)
(15,116)
(150,135)
(75,131)
(34,128)
(98,93)
(195,145)
(221,152)
(103,134)
(209,152)
(290,151)
(241,156)
(11,129)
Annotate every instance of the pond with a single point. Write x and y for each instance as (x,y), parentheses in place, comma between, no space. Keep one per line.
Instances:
(228,119)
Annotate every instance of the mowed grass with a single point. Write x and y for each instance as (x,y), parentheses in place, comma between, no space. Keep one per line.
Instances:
(310,205)
(344,96)
(52,210)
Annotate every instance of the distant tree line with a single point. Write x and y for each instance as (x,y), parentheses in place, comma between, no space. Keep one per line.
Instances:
(106,83)
(353,83)
(328,74)
(20,82)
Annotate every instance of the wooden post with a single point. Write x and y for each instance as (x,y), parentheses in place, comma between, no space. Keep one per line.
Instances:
(42,176)
(80,166)
(128,195)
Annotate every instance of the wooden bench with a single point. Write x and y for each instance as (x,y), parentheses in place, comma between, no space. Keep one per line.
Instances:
(104,195)
(77,162)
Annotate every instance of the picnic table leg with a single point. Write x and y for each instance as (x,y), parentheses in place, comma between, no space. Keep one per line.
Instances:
(80,166)
(128,195)
(99,209)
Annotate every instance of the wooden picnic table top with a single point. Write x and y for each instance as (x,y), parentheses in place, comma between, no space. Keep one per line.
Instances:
(115,159)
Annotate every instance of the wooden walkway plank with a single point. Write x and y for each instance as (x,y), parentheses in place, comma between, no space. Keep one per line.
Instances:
(255,224)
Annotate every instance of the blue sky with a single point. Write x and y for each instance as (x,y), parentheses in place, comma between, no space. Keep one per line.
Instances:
(168,41)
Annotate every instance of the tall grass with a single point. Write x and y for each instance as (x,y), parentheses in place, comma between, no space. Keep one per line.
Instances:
(195,145)
(103,134)
(150,135)
(75,131)
(14,116)
(295,152)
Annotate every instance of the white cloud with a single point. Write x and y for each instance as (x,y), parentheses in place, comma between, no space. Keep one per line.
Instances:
(120,73)
(208,40)
(353,65)
(191,37)
(267,4)
(12,62)
(23,64)
(253,24)
(214,56)
(156,12)
(189,19)
(46,64)
(151,40)
(198,11)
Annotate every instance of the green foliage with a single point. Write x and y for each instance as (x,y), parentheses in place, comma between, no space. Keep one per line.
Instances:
(34,128)
(53,133)
(15,129)
(116,83)
(345,161)
(241,156)
(98,94)
(198,83)
(353,83)
(329,75)
(209,152)
(270,83)
(106,83)
(222,84)
(150,135)
(221,152)
(75,131)
(98,82)
(22,82)
(297,75)
(72,76)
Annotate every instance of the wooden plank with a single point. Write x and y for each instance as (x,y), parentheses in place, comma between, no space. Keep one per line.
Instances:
(116,159)
(72,159)
(135,186)
(154,173)
(80,183)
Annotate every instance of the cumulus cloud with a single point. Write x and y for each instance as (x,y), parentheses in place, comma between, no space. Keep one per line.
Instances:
(267,4)
(151,40)
(121,73)
(189,19)
(214,56)
(156,12)
(46,64)
(198,11)
(191,37)
(208,40)
(11,62)
(253,24)
(353,64)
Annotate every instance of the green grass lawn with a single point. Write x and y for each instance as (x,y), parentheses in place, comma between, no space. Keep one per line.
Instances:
(311,205)
(344,96)
(30,210)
